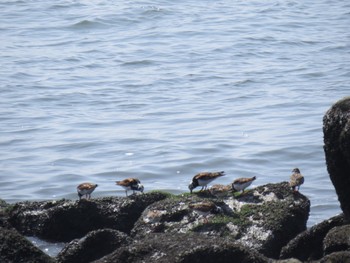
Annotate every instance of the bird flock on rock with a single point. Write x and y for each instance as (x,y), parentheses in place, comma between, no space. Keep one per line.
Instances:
(199,180)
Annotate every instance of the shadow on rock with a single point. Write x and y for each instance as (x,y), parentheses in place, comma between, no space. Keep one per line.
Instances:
(309,245)
(94,245)
(16,248)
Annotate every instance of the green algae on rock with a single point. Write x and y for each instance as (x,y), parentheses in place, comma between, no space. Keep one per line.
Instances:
(265,218)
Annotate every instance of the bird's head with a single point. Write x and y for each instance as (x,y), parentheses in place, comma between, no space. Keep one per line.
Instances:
(140,187)
(191,187)
(296,170)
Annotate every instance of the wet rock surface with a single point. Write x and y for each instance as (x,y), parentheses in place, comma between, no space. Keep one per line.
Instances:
(4,207)
(336,129)
(309,245)
(94,245)
(179,247)
(341,257)
(263,219)
(17,249)
(64,220)
(337,239)
(252,227)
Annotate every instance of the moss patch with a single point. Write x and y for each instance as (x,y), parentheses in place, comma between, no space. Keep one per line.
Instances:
(166,194)
(219,222)
(5,208)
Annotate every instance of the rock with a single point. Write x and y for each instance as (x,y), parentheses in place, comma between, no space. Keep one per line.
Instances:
(336,129)
(94,245)
(308,245)
(4,207)
(341,257)
(337,239)
(289,260)
(65,220)
(264,219)
(184,248)
(17,249)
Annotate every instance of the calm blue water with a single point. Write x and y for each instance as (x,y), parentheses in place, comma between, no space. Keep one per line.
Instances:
(160,90)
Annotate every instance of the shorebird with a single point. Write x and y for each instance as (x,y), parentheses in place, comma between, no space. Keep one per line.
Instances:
(86,189)
(296,180)
(242,183)
(131,184)
(219,190)
(202,179)
(204,209)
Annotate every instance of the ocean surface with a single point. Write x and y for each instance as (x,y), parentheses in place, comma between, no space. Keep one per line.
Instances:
(101,90)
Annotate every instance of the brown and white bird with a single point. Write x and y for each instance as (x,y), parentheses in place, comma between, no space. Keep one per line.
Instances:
(86,189)
(242,183)
(219,190)
(296,180)
(202,179)
(204,209)
(131,184)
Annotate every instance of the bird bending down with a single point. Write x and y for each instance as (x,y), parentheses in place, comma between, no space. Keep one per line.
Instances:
(296,180)
(219,190)
(131,184)
(205,208)
(86,189)
(242,183)
(202,179)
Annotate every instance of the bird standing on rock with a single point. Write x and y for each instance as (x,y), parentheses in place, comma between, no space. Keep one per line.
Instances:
(86,189)
(242,183)
(205,208)
(131,184)
(202,179)
(219,190)
(296,180)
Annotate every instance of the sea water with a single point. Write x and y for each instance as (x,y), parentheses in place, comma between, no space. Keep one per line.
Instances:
(98,91)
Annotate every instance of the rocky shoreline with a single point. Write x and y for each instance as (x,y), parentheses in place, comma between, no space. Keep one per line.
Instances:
(265,224)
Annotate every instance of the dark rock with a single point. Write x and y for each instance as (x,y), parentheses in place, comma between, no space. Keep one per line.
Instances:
(94,245)
(309,244)
(184,248)
(336,257)
(264,219)
(17,249)
(337,239)
(336,129)
(289,260)
(65,220)
(4,207)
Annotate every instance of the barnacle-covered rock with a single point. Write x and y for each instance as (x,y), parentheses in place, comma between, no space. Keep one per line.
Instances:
(264,218)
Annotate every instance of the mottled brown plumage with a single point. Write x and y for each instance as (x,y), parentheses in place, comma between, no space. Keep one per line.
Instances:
(204,208)
(220,190)
(204,178)
(131,184)
(86,189)
(296,180)
(242,183)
